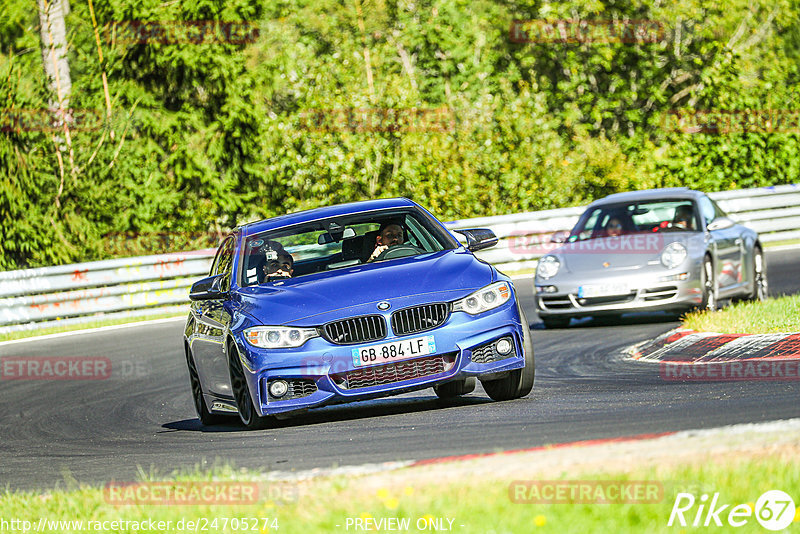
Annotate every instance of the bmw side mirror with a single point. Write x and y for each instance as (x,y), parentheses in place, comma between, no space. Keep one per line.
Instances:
(208,288)
(559,237)
(478,238)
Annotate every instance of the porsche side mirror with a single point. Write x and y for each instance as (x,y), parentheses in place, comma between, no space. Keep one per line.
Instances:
(559,237)
(720,223)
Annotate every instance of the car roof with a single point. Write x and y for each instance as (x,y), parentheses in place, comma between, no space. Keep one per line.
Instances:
(649,194)
(337,210)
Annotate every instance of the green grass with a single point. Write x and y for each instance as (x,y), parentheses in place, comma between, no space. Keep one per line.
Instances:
(477,506)
(84,326)
(774,315)
(782,243)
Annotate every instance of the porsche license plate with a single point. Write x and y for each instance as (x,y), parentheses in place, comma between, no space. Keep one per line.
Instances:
(394,351)
(602,290)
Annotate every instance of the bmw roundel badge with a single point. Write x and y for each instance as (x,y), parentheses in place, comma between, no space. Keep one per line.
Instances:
(384,305)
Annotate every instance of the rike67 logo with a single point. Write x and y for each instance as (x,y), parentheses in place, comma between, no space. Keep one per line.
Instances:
(774,510)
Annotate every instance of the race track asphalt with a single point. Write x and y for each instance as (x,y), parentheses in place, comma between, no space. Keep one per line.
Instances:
(56,433)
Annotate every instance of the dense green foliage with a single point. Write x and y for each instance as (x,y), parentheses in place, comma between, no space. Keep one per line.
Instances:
(203,136)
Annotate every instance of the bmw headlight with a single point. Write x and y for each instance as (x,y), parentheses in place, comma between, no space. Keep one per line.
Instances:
(673,255)
(278,337)
(484,299)
(548,267)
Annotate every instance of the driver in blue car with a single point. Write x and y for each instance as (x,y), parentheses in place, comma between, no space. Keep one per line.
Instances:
(389,234)
(282,267)
(278,263)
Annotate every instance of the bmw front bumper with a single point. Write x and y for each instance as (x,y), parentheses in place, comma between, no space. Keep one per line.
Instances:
(320,373)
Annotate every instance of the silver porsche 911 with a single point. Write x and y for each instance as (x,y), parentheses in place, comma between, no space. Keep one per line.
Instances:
(661,249)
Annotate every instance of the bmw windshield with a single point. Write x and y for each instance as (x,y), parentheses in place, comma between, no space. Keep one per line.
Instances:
(338,243)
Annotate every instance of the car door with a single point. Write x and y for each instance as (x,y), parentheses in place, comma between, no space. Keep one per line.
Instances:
(727,246)
(212,321)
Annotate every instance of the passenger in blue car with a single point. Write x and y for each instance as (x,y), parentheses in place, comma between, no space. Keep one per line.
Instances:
(390,233)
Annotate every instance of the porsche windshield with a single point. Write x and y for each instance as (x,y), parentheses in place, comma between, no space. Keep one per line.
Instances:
(636,217)
(347,241)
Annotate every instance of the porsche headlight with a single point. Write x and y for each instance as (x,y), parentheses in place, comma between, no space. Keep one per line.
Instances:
(673,255)
(278,337)
(548,267)
(484,299)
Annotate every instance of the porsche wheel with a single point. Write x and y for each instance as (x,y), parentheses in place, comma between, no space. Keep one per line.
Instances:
(760,284)
(709,286)
(518,382)
(241,393)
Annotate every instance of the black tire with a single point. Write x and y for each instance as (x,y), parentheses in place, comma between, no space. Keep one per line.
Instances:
(456,388)
(206,417)
(708,286)
(241,393)
(518,382)
(760,284)
(555,322)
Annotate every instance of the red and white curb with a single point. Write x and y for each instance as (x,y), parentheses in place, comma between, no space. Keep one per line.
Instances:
(688,346)
(686,355)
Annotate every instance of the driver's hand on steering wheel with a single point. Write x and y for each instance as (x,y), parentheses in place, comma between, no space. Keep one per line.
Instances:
(377,252)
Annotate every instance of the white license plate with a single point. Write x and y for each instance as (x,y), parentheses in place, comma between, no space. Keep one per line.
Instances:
(394,351)
(602,290)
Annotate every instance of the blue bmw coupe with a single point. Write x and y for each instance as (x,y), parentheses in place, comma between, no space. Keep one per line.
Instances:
(348,303)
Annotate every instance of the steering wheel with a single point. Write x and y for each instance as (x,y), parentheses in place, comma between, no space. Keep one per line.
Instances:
(398,251)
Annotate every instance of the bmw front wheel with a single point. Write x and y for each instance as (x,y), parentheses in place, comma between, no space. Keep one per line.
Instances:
(206,417)
(518,382)
(241,392)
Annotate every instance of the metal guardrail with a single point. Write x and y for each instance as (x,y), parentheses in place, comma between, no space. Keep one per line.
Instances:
(129,287)
(67,294)
(774,212)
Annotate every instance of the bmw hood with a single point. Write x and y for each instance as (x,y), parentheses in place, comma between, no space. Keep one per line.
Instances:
(322,297)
